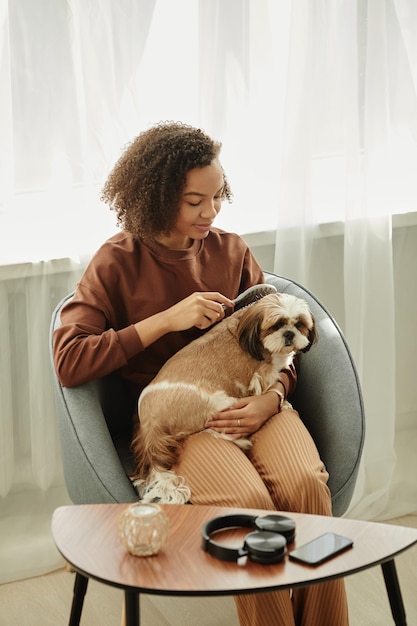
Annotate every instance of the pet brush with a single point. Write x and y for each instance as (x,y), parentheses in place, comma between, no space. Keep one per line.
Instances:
(251,295)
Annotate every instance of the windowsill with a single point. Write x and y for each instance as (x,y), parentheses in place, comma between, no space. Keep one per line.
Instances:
(330,229)
(25,268)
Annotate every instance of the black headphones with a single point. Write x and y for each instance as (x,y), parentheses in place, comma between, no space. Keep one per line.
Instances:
(267,545)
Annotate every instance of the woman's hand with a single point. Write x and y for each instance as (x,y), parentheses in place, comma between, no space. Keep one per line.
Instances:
(246,416)
(200,309)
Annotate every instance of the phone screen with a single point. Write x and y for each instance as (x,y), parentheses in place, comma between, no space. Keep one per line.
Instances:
(321,549)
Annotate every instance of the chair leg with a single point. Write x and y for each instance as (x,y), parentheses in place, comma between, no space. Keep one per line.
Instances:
(132,608)
(80,589)
(394,593)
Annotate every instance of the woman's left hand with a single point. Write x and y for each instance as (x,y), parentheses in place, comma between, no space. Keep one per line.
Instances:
(246,416)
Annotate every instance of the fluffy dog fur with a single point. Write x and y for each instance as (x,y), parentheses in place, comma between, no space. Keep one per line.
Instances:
(240,356)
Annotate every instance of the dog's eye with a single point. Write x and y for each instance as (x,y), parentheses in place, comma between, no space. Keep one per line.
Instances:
(277,325)
(299,325)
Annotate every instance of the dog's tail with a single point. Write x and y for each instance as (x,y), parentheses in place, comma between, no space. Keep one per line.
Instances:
(157,450)
(155,454)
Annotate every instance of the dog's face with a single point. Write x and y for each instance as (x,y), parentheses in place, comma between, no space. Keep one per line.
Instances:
(278,323)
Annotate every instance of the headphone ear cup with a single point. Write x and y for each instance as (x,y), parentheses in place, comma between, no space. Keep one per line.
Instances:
(277,524)
(265,547)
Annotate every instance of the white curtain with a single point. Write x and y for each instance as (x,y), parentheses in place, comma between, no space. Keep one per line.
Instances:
(349,149)
(315,103)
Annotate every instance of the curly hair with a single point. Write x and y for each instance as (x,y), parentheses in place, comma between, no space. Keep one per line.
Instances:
(145,186)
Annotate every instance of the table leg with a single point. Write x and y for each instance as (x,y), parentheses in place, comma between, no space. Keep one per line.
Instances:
(394,593)
(132,608)
(80,588)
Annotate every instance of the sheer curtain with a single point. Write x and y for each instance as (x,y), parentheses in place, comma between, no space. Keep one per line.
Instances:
(350,138)
(315,105)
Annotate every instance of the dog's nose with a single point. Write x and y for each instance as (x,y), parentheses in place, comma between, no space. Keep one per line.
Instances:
(289,337)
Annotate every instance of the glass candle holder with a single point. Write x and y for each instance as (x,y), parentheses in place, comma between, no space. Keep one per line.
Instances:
(143,529)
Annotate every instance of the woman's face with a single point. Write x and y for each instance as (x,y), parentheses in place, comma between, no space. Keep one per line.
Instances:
(200,203)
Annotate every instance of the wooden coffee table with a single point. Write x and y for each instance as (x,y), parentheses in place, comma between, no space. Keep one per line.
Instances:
(87,537)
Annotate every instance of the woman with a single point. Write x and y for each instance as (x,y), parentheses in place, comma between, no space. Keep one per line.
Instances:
(157,285)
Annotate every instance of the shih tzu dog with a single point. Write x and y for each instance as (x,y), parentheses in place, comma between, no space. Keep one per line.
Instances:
(239,357)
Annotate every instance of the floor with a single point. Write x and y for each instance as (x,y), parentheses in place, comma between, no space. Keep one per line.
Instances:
(46,600)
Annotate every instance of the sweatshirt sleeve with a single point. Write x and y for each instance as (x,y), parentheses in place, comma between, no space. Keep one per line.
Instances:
(86,347)
(288,377)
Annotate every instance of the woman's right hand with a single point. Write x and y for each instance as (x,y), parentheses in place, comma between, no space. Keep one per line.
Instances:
(200,309)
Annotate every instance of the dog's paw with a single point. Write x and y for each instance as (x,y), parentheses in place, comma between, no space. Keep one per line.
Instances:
(164,487)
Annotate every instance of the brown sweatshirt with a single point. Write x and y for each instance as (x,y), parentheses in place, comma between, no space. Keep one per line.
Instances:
(125,282)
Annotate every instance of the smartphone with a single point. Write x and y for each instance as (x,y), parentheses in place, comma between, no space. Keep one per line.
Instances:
(321,549)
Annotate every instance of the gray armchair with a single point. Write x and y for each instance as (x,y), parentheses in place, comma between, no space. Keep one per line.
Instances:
(95,441)
(95,419)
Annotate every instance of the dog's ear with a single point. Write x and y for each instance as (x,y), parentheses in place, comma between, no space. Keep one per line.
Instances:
(312,335)
(249,333)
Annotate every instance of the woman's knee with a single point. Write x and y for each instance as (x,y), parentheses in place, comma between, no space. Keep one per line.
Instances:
(287,459)
(243,499)
(253,496)
(306,492)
